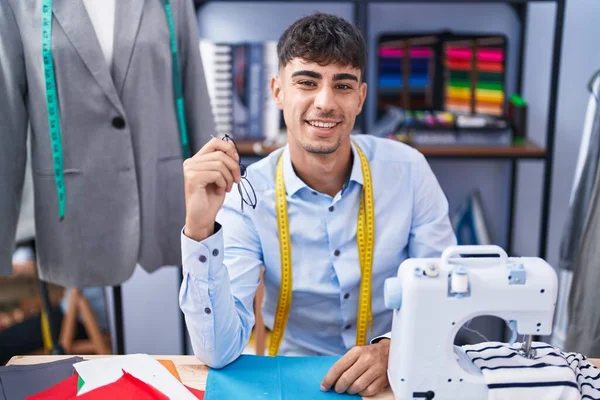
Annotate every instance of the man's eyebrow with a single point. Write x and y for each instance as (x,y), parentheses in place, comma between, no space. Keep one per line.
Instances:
(343,77)
(311,74)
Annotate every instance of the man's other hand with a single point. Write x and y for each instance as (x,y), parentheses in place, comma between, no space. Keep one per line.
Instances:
(361,370)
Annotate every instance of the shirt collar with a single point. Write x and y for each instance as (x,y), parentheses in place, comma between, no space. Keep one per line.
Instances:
(293,183)
(356,173)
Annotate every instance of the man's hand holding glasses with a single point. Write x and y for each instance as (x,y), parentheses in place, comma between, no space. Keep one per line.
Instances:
(208,176)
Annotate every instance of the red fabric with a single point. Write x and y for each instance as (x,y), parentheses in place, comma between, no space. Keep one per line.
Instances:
(196,392)
(128,387)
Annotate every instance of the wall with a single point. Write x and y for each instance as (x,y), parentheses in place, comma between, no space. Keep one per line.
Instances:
(151,314)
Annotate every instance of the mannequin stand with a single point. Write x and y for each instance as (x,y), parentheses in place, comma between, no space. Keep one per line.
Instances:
(118,313)
(97,342)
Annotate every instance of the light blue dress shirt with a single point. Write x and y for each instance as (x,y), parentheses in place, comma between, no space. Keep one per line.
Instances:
(221,273)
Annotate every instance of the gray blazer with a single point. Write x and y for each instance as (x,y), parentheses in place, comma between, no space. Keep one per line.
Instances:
(124,181)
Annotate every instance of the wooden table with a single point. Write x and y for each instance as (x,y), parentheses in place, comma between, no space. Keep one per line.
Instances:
(192,372)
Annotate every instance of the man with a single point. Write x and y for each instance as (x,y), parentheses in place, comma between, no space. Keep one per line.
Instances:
(320,89)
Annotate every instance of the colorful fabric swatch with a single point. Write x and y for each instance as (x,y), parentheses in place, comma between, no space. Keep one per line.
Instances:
(170,366)
(102,371)
(20,381)
(474,78)
(66,389)
(406,72)
(126,387)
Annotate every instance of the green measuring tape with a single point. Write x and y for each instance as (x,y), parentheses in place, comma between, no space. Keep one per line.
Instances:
(177,85)
(52,98)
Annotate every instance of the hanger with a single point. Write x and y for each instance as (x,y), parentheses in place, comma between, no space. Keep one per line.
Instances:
(591,83)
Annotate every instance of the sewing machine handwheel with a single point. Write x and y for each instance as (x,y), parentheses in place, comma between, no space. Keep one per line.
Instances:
(392,293)
(454,251)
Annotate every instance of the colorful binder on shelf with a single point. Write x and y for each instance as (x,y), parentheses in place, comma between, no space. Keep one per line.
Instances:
(474,75)
(406,71)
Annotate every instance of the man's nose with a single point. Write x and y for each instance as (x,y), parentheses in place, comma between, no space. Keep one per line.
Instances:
(325,99)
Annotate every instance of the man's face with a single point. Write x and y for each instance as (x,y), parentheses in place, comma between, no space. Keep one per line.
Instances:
(319,103)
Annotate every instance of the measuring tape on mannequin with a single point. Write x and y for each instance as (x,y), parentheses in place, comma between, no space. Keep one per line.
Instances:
(365,238)
(52,98)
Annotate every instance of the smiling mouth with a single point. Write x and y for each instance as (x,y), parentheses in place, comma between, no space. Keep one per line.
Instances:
(323,125)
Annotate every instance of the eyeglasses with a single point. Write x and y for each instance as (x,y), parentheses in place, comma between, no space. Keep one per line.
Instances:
(245,188)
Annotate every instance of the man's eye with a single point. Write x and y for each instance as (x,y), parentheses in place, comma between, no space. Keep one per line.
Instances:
(307,83)
(344,87)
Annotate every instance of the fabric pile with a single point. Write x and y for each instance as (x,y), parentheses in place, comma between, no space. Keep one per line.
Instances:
(550,374)
(136,376)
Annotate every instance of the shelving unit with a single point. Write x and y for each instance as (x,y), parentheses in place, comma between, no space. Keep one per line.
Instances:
(527,150)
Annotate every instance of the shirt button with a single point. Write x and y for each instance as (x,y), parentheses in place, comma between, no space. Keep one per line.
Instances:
(207,310)
(202,258)
(348,327)
(336,253)
(215,252)
(331,208)
(347,296)
(315,193)
(118,123)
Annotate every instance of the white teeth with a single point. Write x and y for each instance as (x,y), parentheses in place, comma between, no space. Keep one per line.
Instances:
(323,124)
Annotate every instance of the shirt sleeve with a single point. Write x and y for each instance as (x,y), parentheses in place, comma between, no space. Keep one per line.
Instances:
(377,339)
(431,231)
(220,278)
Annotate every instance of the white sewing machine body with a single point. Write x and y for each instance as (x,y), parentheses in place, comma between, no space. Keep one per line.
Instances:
(433,298)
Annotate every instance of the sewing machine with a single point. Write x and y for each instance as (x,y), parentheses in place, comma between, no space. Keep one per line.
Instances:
(433,298)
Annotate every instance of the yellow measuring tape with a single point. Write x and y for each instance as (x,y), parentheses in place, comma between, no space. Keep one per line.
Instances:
(365,238)
(46,336)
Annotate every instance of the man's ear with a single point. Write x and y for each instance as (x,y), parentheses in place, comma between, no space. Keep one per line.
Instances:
(362,95)
(276,91)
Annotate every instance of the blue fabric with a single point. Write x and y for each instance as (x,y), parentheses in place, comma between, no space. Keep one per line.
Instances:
(221,273)
(273,378)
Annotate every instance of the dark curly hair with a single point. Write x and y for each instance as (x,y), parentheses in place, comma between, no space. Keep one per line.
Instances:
(323,39)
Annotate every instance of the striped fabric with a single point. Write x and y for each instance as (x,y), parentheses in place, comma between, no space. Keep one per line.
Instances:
(551,375)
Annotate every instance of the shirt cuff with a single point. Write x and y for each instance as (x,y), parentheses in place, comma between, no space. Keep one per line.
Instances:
(384,336)
(201,258)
